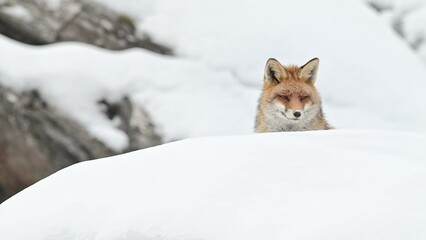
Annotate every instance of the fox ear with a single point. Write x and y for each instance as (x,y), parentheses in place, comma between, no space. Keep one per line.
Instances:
(308,72)
(274,71)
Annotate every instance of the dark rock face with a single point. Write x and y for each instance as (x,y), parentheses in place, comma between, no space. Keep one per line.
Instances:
(36,141)
(37,22)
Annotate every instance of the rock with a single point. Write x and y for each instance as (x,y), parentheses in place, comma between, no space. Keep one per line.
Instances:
(36,141)
(40,22)
(135,122)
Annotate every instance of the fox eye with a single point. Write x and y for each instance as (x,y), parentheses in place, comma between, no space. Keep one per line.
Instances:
(284,97)
(303,97)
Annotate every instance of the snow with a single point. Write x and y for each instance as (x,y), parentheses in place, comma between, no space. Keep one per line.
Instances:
(337,184)
(411,17)
(415,25)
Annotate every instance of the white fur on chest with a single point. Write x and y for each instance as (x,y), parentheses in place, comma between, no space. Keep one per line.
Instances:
(277,122)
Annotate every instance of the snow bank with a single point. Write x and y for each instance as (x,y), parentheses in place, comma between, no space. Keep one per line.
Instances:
(306,185)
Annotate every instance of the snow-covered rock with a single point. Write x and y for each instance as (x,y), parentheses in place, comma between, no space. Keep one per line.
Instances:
(307,185)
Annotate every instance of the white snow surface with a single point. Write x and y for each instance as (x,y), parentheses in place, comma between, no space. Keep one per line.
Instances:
(337,184)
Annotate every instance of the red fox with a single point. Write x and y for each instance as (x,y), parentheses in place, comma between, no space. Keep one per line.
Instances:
(289,99)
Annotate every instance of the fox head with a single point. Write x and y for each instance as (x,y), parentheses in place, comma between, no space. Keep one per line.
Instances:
(289,91)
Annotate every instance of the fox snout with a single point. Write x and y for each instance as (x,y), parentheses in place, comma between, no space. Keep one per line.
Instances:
(294,114)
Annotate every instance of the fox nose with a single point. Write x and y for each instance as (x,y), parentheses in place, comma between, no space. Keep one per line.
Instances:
(297,114)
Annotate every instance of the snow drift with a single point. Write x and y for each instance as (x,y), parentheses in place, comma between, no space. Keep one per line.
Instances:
(311,185)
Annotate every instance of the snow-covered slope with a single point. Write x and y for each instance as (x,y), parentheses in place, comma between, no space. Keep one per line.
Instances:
(409,17)
(307,185)
(368,77)
(184,97)
(364,66)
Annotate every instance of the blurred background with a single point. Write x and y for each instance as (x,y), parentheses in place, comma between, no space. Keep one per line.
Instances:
(86,79)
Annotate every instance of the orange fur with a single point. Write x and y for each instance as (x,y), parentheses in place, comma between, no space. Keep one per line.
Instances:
(287,90)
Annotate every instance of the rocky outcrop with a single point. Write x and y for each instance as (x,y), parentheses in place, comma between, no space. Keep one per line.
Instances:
(40,22)
(36,141)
